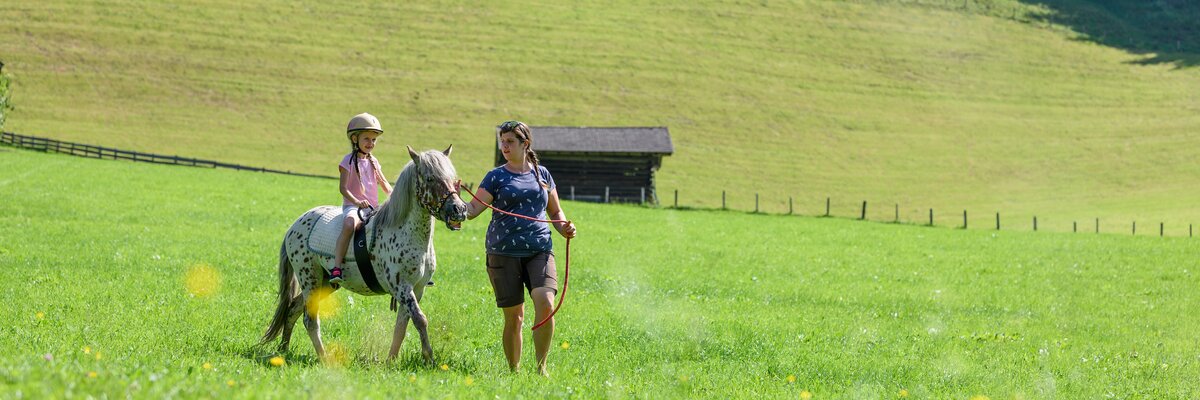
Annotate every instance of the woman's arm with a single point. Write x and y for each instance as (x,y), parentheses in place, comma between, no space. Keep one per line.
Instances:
(476,206)
(554,209)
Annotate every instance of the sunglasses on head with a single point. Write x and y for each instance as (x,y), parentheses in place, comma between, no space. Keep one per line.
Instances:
(508,126)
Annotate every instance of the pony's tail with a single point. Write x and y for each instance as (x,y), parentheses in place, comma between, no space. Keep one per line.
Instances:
(287,292)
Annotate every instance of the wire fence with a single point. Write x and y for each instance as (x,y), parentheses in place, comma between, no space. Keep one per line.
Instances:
(959,219)
(106,153)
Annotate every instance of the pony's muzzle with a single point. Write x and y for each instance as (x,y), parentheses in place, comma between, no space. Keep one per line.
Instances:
(454,214)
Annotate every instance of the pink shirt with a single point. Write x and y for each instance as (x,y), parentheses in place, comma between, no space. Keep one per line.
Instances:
(361,184)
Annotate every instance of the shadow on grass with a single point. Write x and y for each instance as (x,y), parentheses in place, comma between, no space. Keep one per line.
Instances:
(405,362)
(1163,31)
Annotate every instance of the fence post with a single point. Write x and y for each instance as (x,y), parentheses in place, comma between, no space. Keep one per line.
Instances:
(722,199)
(606,194)
(826,206)
(1035,223)
(676,198)
(964,219)
(756,202)
(1135,228)
(572,192)
(1075,226)
(864,211)
(897,220)
(1097,225)
(997,221)
(1189,230)
(1160,229)
(790,205)
(930,217)
(643,195)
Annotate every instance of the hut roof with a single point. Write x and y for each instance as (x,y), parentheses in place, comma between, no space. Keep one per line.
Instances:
(582,139)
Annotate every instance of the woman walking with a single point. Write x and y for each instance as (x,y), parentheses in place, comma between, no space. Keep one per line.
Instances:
(519,252)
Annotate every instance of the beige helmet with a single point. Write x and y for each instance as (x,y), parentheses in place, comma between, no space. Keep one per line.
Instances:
(363,122)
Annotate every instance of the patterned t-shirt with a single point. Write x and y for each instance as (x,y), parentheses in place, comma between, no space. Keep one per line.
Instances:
(520,194)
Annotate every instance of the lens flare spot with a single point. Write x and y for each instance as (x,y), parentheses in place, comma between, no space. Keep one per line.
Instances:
(322,304)
(202,280)
(336,355)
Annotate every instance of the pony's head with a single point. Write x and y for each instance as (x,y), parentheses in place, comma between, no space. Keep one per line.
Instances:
(436,185)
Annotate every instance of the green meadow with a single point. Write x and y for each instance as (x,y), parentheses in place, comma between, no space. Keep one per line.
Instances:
(1064,110)
(149,281)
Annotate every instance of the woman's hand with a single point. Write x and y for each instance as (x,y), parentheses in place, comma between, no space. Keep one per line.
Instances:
(568,230)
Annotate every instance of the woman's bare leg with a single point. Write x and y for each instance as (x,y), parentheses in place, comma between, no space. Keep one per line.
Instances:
(543,303)
(513,316)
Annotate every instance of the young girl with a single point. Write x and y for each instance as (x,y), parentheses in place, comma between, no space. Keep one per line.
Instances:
(360,179)
(519,252)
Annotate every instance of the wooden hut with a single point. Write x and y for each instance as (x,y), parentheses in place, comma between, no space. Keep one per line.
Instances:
(610,164)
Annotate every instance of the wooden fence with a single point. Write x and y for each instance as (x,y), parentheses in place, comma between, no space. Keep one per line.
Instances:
(647,196)
(86,150)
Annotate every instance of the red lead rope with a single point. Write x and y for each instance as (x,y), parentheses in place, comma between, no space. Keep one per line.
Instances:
(566,265)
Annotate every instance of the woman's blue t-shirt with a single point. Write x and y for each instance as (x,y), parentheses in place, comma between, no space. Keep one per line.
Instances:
(519,194)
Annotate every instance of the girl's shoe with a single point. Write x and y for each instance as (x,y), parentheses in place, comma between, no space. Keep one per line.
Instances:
(335,275)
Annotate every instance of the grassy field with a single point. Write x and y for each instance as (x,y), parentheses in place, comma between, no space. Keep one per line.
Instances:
(154,281)
(990,106)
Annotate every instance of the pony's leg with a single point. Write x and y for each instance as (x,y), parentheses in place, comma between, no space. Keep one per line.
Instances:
(297,307)
(398,333)
(401,328)
(408,300)
(312,322)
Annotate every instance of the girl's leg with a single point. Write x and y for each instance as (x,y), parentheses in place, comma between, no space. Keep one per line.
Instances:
(513,316)
(543,303)
(343,243)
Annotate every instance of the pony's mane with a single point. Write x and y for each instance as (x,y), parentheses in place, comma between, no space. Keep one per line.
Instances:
(400,203)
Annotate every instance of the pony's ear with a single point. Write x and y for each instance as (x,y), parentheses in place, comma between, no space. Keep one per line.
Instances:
(413,154)
(448,150)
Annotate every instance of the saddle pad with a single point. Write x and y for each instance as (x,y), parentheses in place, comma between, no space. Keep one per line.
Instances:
(322,239)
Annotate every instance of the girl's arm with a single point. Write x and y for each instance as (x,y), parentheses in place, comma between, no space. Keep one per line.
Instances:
(383,181)
(476,206)
(554,209)
(344,187)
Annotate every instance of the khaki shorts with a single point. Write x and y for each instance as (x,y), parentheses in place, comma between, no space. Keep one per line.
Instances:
(509,274)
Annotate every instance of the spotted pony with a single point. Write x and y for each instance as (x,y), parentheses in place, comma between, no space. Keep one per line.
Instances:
(400,247)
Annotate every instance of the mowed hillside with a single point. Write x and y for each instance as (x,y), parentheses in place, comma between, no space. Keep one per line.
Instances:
(989,108)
